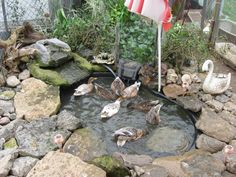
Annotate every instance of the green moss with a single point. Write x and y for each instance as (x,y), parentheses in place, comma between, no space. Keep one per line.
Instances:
(7,95)
(48,76)
(10,144)
(112,166)
(85,64)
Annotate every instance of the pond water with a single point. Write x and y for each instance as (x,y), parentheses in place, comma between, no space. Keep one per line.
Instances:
(173,135)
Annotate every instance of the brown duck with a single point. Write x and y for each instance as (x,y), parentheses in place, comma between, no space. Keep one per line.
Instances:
(104,92)
(144,106)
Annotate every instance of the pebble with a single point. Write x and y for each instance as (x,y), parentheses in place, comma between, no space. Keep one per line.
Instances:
(12,81)
(24,74)
(4,120)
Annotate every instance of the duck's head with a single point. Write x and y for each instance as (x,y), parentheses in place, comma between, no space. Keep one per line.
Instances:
(205,66)
(104,114)
(91,79)
(157,108)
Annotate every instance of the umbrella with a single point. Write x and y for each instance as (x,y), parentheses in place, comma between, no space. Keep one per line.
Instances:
(157,10)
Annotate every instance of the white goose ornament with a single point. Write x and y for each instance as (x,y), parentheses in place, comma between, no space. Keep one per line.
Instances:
(215,83)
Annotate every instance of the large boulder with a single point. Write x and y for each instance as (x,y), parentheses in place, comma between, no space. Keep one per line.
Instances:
(36,138)
(214,126)
(36,99)
(85,144)
(56,164)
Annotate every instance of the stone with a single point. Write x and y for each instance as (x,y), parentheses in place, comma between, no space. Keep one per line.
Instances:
(7,106)
(5,165)
(178,141)
(192,163)
(228,117)
(229,106)
(214,126)
(222,98)
(2,141)
(1,111)
(57,164)
(153,171)
(209,144)
(91,147)
(4,120)
(8,131)
(111,166)
(13,152)
(7,95)
(194,89)
(173,90)
(21,166)
(171,76)
(12,116)
(36,99)
(68,121)
(206,97)
(12,81)
(11,143)
(24,75)
(191,103)
(218,106)
(2,79)
(231,164)
(36,138)
(228,174)
(131,160)
(228,93)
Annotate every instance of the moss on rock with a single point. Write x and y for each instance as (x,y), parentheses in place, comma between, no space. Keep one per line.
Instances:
(10,144)
(49,76)
(112,166)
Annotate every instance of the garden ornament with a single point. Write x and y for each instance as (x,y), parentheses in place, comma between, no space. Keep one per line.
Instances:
(214,83)
(160,12)
(59,140)
(186,81)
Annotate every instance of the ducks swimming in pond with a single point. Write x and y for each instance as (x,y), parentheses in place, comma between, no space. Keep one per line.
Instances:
(117,86)
(111,109)
(127,134)
(131,91)
(104,92)
(144,106)
(153,116)
(85,88)
(215,83)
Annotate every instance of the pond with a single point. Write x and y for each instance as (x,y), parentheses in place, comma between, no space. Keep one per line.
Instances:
(175,133)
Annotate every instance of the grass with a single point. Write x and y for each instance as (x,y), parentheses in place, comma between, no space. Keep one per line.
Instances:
(229,9)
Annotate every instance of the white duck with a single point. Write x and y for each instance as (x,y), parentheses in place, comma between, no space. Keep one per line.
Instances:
(85,88)
(111,109)
(215,83)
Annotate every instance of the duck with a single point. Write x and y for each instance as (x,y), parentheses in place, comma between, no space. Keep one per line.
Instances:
(117,86)
(104,92)
(85,88)
(153,116)
(131,91)
(128,134)
(214,83)
(111,109)
(144,106)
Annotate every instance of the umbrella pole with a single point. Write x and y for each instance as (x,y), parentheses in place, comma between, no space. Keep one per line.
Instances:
(159,56)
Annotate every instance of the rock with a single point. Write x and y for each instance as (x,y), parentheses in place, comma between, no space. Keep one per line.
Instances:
(1,112)
(194,89)
(171,76)
(214,126)
(10,144)
(13,152)
(177,140)
(209,144)
(86,53)
(7,106)
(5,165)
(228,93)
(2,79)
(228,174)
(90,148)
(153,171)
(111,166)
(218,106)
(24,74)
(228,117)
(233,98)
(8,131)
(131,160)
(36,138)
(231,164)
(36,99)
(7,95)
(222,98)
(193,163)
(190,102)
(12,116)
(2,141)
(173,90)
(12,81)
(23,165)
(229,106)
(206,97)
(4,120)
(56,164)
(68,121)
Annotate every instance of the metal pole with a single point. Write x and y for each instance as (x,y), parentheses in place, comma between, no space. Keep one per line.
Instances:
(203,14)
(159,56)
(4,15)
